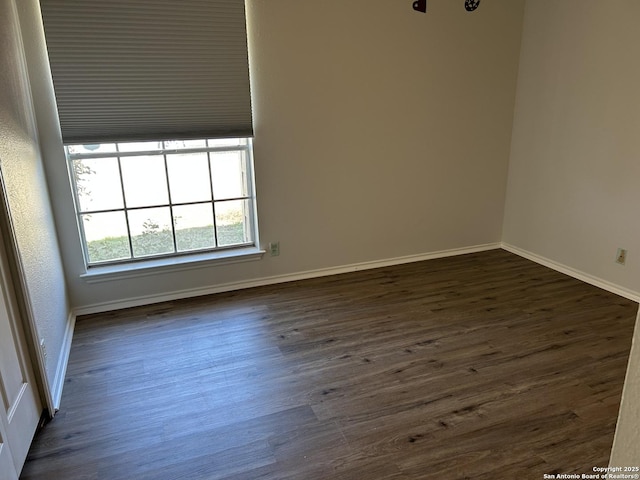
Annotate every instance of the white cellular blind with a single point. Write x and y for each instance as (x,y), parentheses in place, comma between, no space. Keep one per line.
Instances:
(149,69)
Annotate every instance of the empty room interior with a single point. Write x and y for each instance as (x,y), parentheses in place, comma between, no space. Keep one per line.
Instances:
(285,239)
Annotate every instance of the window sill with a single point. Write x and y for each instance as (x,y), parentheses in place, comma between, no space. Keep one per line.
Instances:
(167,265)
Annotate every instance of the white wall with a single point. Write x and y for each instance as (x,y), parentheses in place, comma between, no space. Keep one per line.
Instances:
(380,132)
(573,191)
(35,242)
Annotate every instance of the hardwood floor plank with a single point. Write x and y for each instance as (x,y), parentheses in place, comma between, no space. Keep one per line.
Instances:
(482,366)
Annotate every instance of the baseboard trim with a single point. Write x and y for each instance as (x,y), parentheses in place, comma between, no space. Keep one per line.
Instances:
(572,272)
(63,361)
(323,272)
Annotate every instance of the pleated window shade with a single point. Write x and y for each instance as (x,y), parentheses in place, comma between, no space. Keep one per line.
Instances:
(140,70)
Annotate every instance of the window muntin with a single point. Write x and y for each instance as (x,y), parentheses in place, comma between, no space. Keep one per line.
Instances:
(140,200)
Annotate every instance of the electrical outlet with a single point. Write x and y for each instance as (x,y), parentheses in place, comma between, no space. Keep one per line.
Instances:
(621,256)
(43,347)
(274,249)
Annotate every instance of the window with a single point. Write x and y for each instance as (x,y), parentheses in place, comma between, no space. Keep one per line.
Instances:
(141,200)
(136,81)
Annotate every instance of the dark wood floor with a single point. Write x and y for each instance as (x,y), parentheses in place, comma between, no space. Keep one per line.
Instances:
(483,366)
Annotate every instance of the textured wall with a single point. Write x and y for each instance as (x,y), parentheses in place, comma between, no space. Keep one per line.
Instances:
(573,191)
(380,132)
(27,194)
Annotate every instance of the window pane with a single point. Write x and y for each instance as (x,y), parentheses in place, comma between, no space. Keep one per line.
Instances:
(151,231)
(98,184)
(232,222)
(158,199)
(194,227)
(189,177)
(139,146)
(106,236)
(228,175)
(94,148)
(183,144)
(144,180)
(227,142)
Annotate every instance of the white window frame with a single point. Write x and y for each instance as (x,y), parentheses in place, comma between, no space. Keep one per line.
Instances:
(176,260)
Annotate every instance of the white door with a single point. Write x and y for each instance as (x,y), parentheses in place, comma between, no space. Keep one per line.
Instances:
(7,467)
(20,406)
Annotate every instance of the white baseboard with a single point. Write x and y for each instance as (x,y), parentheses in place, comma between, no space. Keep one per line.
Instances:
(63,360)
(572,272)
(323,272)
